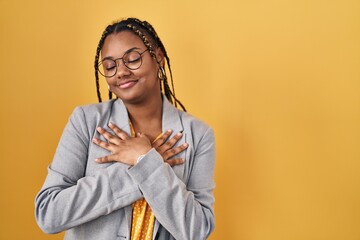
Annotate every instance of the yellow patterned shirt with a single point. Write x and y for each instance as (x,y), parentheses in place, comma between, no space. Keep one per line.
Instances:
(142,217)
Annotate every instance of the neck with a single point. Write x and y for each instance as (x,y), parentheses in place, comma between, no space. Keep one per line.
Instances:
(146,117)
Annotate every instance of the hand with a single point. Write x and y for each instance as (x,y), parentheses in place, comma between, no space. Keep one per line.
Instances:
(167,150)
(123,148)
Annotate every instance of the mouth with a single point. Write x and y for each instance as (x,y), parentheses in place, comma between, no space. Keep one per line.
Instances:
(127,84)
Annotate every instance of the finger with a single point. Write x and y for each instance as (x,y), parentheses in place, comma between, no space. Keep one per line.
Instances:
(100,143)
(106,159)
(160,141)
(174,151)
(108,136)
(170,143)
(174,162)
(120,133)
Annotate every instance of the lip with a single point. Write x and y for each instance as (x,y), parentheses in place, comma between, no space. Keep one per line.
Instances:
(127,84)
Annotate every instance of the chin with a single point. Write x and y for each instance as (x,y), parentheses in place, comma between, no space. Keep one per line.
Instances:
(130,98)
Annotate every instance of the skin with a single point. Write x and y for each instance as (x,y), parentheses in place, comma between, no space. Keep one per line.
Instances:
(140,91)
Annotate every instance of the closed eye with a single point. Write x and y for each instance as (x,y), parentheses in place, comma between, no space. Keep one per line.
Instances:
(133,60)
(110,68)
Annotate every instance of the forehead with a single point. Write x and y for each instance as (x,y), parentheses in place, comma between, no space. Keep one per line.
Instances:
(118,43)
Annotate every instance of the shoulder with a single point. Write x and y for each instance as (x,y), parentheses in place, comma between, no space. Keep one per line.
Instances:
(199,135)
(94,109)
(91,114)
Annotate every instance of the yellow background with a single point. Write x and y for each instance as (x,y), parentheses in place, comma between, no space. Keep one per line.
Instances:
(278,80)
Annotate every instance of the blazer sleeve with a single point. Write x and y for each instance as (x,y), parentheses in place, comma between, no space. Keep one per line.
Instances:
(68,198)
(186,211)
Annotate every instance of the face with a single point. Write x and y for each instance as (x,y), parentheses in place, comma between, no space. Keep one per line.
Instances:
(132,86)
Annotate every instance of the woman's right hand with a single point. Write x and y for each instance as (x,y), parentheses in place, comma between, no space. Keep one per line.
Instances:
(165,147)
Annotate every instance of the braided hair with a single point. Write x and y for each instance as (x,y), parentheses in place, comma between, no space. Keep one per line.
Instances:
(148,35)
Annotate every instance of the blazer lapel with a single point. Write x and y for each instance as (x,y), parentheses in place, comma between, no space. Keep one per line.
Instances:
(119,116)
(170,118)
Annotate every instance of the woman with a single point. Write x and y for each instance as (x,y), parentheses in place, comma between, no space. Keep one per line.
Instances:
(114,174)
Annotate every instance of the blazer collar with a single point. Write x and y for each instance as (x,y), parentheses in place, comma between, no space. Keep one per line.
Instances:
(170,116)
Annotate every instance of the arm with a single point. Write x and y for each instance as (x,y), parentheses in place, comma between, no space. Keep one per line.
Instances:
(186,211)
(67,198)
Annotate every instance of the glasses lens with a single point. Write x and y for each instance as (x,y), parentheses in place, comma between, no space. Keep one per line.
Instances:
(107,68)
(132,60)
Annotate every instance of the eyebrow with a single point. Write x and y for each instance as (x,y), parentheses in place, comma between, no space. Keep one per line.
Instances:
(127,51)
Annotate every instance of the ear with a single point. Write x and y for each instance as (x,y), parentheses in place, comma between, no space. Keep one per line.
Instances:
(159,57)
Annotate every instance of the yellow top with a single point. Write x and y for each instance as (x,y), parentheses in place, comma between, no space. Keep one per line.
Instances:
(142,221)
(143,218)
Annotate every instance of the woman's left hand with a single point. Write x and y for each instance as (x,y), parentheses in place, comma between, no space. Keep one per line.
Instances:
(123,148)
(167,149)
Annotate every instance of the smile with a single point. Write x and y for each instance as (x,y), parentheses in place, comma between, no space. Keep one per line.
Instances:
(127,84)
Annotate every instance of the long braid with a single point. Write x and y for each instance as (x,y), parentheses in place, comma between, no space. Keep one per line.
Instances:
(143,38)
(162,47)
(139,27)
(167,90)
(96,62)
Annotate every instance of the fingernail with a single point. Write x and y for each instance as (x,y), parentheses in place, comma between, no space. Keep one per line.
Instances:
(97,160)
(111,124)
(179,134)
(99,129)
(169,130)
(185,144)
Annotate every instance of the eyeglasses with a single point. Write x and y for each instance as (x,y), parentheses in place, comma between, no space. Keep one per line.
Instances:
(131,59)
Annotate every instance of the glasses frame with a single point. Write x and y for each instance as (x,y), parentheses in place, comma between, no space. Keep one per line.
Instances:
(123,61)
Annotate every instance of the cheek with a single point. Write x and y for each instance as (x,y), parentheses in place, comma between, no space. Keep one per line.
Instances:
(152,79)
(147,74)
(149,68)
(109,81)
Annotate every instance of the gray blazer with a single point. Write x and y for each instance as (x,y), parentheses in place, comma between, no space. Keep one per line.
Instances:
(94,201)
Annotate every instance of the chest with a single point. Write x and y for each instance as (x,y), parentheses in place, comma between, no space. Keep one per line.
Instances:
(182,171)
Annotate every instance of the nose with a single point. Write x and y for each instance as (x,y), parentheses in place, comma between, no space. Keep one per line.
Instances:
(122,70)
